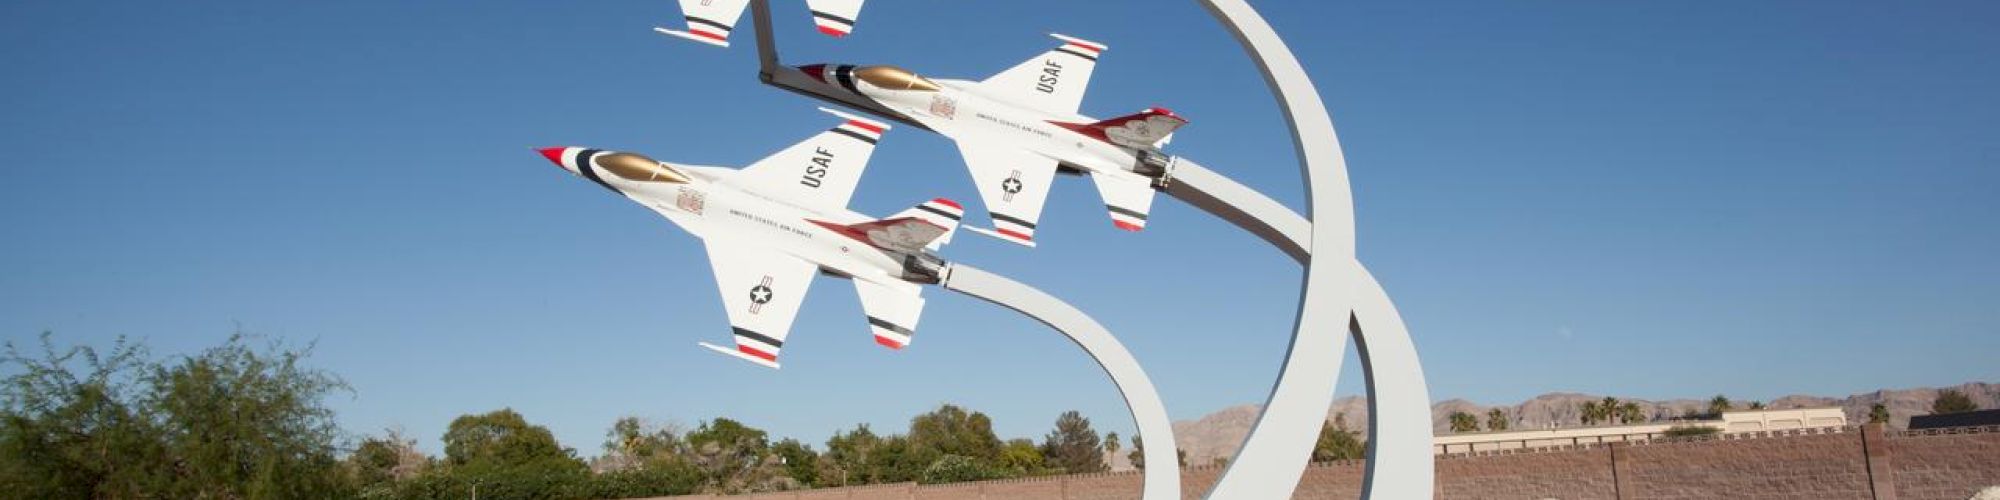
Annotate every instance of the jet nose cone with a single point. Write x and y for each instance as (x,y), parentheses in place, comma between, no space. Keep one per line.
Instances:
(555,155)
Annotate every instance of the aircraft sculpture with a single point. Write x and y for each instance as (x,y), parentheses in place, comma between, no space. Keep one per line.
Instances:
(711,21)
(771,226)
(1020,127)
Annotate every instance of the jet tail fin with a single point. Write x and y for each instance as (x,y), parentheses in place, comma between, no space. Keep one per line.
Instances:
(1147,129)
(940,212)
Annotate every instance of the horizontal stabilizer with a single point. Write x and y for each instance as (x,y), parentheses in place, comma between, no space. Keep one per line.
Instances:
(1150,128)
(739,355)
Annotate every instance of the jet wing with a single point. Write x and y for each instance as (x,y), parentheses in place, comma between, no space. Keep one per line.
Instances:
(1052,82)
(892,312)
(821,172)
(834,17)
(762,290)
(1013,182)
(709,21)
(1128,197)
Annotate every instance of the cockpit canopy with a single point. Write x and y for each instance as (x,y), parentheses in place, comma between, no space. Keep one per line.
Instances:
(894,78)
(634,167)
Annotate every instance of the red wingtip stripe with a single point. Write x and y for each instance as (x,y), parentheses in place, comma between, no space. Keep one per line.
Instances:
(1013,234)
(888,342)
(948,203)
(759,354)
(866,126)
(832,32)
(709,35)
(1092,50)
(1127,225)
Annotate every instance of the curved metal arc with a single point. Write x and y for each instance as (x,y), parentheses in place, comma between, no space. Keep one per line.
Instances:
(1141,398)
(1398,397)
(1274,455)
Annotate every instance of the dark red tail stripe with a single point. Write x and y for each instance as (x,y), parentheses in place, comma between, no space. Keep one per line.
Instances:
(754,352)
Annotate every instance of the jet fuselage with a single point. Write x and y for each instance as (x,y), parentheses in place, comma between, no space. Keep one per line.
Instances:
(703,201)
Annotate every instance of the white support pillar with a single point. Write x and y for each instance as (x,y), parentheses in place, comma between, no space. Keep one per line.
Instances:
(1162,476)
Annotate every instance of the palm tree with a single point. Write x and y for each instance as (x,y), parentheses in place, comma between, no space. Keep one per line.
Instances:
(1878,414)
(1718,404)
(1630,413)
(1464,422)
(1588,412)
(1756,405)
(1496,420)
(1111,443)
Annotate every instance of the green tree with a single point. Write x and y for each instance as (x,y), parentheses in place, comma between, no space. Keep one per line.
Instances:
(1630,413)
(850,454)
(1589,413)
(1336,442)
(736,458)
(1111,443)
(1878,414)
(1138,454)
(73,423)
(502,455)
(799,460)
(950,430)
(631,444)
(957,468)
(1952,401)
(1756,405)
(500,438)
(1496,420)
(1719,404)
(232,421)
(1464,422)
(1073,446)
(380,462)
(1020,457)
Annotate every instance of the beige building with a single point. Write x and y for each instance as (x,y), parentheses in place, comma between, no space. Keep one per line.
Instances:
(1731,422)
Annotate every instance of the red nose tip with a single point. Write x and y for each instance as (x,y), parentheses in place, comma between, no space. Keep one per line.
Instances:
(553,154)
(817,71)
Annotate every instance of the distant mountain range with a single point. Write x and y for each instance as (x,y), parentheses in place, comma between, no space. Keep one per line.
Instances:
(1218,434)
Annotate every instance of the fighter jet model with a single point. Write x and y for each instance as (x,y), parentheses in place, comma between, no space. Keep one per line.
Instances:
(710,21)
(1018,128)
(771,226)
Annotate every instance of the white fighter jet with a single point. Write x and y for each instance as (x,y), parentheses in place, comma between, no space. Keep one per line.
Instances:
(1018,128)
(771,226)
(710,21)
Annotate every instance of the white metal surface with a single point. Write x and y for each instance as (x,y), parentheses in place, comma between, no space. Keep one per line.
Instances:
(1148,412)
(1275,453)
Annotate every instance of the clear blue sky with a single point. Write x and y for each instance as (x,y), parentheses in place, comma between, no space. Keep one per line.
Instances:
(1658,200)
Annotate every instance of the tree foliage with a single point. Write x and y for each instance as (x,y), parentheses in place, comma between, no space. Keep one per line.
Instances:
(1878,413)
(1073,446)
(1691,430)
(1138,455)
(1719,404)
(1336,442)
(233,421)
(1952,401)
(1464,422)
(1496,420)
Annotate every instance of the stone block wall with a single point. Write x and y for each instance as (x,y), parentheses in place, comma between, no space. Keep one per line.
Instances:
(1862,463)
